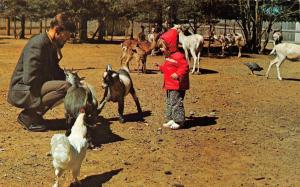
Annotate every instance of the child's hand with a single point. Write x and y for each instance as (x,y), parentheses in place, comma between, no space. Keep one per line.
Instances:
(174,76)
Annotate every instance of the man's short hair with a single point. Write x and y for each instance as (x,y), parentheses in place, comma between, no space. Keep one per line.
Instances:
(64,22)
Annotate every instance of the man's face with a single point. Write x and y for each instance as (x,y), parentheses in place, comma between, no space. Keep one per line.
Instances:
(61,38)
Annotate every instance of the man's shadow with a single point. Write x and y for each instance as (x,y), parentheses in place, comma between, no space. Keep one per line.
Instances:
(200,121)
(99,179)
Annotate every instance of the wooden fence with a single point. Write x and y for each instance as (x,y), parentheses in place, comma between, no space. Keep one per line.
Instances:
(290,30)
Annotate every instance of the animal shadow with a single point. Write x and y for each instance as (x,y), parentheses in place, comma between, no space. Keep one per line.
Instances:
(200,121)
(152,71)
(56,124)
(290,79)
(205,71)
(99,179)
(102,134)
(133,117)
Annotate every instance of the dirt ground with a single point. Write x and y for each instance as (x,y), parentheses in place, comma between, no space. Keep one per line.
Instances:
(242,130)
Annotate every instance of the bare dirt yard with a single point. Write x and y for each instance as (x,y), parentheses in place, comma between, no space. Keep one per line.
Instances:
(242,130)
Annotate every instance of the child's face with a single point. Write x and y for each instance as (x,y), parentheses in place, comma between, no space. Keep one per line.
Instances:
(163,47)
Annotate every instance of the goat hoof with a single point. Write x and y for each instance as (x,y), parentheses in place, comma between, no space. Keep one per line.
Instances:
(121,120)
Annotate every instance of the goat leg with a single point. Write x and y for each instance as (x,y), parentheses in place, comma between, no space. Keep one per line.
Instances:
(105,99)
(136,100)
(121,110)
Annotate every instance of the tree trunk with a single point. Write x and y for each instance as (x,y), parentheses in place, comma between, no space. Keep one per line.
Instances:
(113,29)
(45,29)
(225,28)
(131,33)
(41,25)
(102,29)
(22,32)
(30,27)
(15,28)
(267,33)
(8,25)
(83,29)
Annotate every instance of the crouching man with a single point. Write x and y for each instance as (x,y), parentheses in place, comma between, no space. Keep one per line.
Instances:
(38,82)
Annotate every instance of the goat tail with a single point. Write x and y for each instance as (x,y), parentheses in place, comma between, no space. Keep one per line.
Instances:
(125,68)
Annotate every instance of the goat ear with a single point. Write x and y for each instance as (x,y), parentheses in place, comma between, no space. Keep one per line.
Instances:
(114,75)
(109,67)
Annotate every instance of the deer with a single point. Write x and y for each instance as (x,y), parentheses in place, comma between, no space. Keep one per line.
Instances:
(193,44)
(137,49)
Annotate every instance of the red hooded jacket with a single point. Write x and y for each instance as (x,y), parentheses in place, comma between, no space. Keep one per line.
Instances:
(175,63)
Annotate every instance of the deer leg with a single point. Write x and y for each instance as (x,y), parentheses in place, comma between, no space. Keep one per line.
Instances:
(223,49)
(129,57)
(195,60)
(144,64)
(240,53)
(137,61)
(198,60)
(271,64)
(278,66)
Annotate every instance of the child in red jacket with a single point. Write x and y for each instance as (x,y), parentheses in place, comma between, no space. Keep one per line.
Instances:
(176,78)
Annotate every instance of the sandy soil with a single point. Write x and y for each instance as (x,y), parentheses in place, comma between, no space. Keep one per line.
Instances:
(242,130)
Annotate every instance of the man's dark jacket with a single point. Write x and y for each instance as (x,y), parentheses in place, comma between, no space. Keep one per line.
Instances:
(37,64)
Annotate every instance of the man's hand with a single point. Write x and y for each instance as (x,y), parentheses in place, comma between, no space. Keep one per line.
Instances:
(174,76)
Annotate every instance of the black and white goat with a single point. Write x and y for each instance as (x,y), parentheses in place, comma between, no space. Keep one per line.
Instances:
(117,85)
(79,95)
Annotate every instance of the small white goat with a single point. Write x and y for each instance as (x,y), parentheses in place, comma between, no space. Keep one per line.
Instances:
(283,51)
(194,44)
(69,152)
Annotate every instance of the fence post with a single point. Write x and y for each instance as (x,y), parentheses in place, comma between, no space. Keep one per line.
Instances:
(297,33)
(41,25)
(8,25)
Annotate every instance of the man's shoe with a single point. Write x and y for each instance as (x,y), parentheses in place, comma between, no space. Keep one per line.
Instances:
(31,123)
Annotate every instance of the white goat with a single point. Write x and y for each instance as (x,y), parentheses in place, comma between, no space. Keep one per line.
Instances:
(194,44)
(69,152)
(229,40)
(283,51)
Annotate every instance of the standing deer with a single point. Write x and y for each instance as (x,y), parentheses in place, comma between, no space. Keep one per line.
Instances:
(193,44)
(139,50)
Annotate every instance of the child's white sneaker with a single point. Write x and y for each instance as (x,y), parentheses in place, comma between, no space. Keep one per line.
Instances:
(168,124)
(174,126)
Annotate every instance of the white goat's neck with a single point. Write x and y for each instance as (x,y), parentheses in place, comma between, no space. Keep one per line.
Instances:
(182,37)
